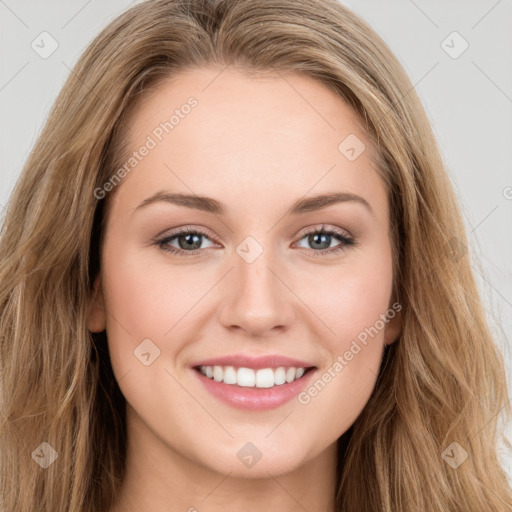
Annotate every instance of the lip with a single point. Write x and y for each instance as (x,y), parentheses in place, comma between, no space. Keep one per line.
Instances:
(254,362)
(255,399)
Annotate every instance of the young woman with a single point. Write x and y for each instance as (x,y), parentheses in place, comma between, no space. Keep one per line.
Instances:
(233,276)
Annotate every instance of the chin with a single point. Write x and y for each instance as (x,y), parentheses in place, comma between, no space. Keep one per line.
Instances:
(256,459)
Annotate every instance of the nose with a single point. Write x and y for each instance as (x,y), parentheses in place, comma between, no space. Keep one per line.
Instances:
(257,297)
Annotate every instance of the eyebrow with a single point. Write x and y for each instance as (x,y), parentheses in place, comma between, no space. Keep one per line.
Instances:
(210,205)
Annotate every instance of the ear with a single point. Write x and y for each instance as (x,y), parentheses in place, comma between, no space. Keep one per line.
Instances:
(96,315)
(393,326)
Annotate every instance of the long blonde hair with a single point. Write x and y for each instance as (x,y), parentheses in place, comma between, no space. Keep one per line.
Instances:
(442,382)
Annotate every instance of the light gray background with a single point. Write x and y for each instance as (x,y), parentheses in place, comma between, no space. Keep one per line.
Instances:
(468,100)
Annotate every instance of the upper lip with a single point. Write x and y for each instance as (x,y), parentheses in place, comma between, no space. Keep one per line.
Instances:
(256,362)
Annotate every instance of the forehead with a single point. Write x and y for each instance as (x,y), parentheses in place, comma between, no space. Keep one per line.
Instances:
(248,138)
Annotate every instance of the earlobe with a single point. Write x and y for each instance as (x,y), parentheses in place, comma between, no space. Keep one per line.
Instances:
(393,329)
(96,317)
(394,325)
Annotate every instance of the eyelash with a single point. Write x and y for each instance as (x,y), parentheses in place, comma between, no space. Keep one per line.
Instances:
(346,241)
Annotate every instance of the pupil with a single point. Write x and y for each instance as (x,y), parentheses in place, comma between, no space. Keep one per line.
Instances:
(191,239)
(317,239)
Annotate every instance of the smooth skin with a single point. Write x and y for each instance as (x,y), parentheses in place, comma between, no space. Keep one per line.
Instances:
(257,145)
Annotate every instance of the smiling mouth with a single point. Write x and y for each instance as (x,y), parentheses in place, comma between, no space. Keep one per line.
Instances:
(262,378)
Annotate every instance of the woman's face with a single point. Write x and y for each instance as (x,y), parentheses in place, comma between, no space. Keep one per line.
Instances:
(250,278)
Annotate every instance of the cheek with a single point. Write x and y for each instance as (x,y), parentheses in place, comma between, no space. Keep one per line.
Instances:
(134,302)
(144,298)
(148,301)
(361,304)
(356,311)
(144,302)
(350,298)
(356,307)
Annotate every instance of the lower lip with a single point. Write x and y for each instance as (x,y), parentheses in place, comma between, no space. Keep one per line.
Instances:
(255,399)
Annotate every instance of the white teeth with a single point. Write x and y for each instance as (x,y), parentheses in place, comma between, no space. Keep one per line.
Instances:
(230,375)
(279,376)
(247,377)
(290,374)
(218,373)
(265,378)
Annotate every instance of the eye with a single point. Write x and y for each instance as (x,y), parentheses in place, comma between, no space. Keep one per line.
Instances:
(323,237)
(189,241)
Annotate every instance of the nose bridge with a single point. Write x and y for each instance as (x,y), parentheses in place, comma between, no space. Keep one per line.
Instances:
(257,299)
(255,265)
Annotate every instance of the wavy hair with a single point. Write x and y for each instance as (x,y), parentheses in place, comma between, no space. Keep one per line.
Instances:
(442,382)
